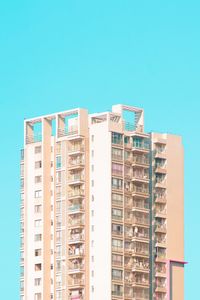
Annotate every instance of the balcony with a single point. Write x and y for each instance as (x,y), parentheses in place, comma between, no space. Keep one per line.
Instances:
(161,242)
(76,252)
(161,288)
(140,235)
(75,208)
(74,283)
(76,268)
(68,131)
(161,169)
(140,281)
(140,191)
(160,272)
(160,183)
(77,163)
(76,179)
(140,206)
(76,222)
(140,147)
(76,193)
(160,198)
(161,228)
(160,213)
(140,177)
(141,266)
(76,238)
(75,149)
(140,221)
(140,161)
(160,153)
(76,297)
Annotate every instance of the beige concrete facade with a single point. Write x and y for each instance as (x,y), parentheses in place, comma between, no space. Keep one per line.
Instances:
(102,211)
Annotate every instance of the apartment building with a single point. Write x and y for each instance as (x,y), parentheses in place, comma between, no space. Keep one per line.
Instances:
(102,208)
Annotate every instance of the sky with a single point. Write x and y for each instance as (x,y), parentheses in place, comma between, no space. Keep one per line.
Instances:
(57,55)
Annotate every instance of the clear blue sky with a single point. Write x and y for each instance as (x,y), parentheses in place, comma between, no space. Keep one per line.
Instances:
(56,55)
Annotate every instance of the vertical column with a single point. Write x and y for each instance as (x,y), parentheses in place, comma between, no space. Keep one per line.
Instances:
(46,143)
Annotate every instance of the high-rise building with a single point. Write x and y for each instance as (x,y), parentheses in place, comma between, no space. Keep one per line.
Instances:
(102,208)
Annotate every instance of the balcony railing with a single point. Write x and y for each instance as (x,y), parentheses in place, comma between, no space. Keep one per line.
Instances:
(76,148)
(75,267)
(75,193)
(76,222)
(141,146)
(76,162)
(140,204)
(76,207)
(140,160)
(140,250)
(76,251)
(140,190)
(76,237)
(139,220)
(76,281)
(76,177)
(140,176)
(68,131)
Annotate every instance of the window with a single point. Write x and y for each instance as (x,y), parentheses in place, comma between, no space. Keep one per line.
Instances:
(92,198)
(117,229)
(117,169)
(38,296)
(38,149)
(38,179)
(92,167)
(92,213)
(38,281)
(92,153)
(58,162)
(117,138)
(38,164)
(38,252)
(117,213)
(38,237)
(117,154)
(38,267)
(58,250)
(38,209)
(117,274)
(58,177)
(117,259)
(92,227)
(92,258)
(92,182)
(38,194)
(117,244)
(117,290)
(92,138)
(117,183)
(117,199)
(38,223)
(22,183)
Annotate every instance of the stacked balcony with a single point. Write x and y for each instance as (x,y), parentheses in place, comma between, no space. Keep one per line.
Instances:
(76,218)
(160,214)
